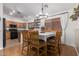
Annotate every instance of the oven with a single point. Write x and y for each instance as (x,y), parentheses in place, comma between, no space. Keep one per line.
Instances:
(13,31)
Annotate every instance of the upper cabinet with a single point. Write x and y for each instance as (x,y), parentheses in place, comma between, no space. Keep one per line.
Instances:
(18,24)
(8,23)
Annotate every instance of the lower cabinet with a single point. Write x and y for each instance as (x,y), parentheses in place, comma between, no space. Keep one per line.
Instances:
(7,35)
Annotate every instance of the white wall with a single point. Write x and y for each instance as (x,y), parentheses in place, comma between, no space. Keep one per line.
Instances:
(77,40)
(1,27)
(70,31)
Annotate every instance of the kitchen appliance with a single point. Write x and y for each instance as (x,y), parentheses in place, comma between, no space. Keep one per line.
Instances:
(13,31)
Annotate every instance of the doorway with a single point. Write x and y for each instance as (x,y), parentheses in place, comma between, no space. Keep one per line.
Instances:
(10,34)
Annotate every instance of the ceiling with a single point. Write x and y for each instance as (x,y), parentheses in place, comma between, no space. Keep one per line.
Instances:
(31,9)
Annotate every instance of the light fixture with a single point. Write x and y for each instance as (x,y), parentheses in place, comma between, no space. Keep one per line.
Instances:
(12,12)
(43,13)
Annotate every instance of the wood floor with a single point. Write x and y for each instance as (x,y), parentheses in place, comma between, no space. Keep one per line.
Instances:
(11,43)
(16,51)
(68,51)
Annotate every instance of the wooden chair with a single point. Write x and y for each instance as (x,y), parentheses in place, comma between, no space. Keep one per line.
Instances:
(54,44)
(37,46)
(25,44)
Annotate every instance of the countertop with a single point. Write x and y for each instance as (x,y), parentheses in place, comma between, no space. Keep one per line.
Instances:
(19,29)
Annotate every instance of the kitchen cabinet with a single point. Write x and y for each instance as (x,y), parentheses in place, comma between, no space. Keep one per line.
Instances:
(7,35)
(8,23)
(18,24)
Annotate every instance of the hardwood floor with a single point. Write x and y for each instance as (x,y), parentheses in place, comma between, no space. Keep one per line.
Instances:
(68,51)
(12,51)
(11,43)
(16,51)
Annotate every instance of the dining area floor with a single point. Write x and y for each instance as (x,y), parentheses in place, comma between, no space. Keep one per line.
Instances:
(16,51)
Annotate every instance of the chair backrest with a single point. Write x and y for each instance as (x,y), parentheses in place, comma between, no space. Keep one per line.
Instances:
(58,35)
(34,36)
(25,35)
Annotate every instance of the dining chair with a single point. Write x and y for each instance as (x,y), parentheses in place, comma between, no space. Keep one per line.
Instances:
(54,44)
(37,46)
(25,44)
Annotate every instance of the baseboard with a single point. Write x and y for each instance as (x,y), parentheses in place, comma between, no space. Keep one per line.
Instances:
(76,51)
(70,44)
(74,47)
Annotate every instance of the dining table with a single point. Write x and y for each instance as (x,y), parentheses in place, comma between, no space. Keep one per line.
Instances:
(42,35)
(45,35)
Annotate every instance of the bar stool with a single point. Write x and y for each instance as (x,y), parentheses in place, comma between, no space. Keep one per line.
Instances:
(25,44)
(37,46)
